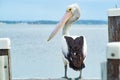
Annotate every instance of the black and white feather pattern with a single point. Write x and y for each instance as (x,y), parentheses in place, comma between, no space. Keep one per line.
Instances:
(74,50)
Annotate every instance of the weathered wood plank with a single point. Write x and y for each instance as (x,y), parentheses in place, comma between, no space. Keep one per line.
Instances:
(114,28)
(114,69)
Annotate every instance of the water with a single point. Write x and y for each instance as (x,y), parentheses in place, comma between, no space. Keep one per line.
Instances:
(33,57)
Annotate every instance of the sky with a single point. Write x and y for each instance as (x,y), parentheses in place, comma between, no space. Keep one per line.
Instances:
(53,9)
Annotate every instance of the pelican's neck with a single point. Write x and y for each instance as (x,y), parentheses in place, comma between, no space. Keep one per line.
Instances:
(65,29)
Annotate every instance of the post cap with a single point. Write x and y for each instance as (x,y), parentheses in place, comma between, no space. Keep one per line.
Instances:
(114,12)
(113,50)
(4,43)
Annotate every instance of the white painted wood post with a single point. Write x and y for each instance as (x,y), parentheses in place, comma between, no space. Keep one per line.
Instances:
(113,50)
(5,66)
(113,61)
(113,47)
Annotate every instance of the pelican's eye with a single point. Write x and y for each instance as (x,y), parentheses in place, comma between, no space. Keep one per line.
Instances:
(69,10)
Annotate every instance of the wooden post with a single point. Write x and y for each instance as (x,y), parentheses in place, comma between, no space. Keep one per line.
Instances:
(114,25)
(5,70)
(113,49)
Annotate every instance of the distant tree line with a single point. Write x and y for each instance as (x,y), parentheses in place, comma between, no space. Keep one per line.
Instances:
(55,22)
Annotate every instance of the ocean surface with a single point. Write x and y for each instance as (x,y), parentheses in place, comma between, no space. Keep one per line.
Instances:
(33,57)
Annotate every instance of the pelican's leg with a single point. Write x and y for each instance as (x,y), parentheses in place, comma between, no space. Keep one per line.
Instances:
(65,70)
(65,67)
(80,76)
(65,73)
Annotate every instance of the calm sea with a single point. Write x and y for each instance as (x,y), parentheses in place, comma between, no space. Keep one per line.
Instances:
(33,57)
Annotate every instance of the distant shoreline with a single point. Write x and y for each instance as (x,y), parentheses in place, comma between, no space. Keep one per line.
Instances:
(87,22)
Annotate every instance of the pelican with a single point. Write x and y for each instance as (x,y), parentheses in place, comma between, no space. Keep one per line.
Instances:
(74,48)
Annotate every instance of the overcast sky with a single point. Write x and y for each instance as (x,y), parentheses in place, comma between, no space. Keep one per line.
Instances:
(53,9)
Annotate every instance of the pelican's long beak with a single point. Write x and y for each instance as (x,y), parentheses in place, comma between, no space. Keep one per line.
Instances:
(61,24)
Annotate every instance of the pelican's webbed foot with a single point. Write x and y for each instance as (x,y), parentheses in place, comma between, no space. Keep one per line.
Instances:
(65,77)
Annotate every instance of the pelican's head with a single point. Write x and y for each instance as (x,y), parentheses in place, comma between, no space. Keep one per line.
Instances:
(72,14)
(75,13)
